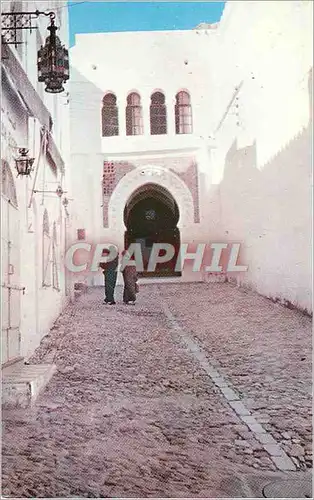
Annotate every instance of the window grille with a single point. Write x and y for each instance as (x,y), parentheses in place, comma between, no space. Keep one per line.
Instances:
(110,121)
(81,235)
(133,115)
(183,113)
(158,114)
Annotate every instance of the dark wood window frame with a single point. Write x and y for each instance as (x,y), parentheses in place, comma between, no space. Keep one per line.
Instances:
(110,116)
(183,113)
(158,114)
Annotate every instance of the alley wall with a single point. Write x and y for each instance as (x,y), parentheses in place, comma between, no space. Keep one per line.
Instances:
(262,162)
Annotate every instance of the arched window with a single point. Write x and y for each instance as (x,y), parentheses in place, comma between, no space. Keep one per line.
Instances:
(183,113)
(46,223)
(55,266)
(110,123)
(133,115)
(158,114)
(46,251)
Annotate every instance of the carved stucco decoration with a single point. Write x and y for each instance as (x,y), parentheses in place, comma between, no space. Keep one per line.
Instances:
(186,169)
(150,174)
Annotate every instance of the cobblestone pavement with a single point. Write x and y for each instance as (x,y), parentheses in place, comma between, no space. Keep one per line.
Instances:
(131,412)
(265,351)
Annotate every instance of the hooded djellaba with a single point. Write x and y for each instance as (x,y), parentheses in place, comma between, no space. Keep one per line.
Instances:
(130,279)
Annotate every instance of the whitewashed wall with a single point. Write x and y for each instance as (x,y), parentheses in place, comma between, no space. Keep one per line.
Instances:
(262,167)
(40,305)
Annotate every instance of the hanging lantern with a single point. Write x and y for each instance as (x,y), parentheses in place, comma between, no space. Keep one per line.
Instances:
(23,163)
(53,62)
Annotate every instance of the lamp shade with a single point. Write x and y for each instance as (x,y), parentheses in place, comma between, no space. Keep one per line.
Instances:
(23,163)
(53,62)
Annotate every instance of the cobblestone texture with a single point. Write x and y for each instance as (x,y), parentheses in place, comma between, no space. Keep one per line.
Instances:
(130,413)
(265,351)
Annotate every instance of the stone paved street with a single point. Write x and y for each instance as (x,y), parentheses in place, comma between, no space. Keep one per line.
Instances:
(132,412)
(265,351)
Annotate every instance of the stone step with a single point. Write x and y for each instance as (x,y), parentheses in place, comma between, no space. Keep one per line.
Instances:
(21,384)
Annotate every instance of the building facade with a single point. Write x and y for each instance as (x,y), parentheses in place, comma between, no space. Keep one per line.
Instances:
(139,137)
(201,136)
(36,224)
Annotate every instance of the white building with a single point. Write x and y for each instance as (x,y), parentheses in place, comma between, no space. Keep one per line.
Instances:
(206,130)
(128,160)
(35,225)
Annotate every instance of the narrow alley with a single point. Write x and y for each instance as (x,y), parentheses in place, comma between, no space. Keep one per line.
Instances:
(186,394)
(179,140)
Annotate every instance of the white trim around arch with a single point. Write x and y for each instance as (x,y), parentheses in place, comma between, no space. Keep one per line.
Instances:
(147,175)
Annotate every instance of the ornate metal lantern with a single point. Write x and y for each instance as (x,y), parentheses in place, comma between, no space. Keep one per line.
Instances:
(53,62)
(23,163)
(53,58)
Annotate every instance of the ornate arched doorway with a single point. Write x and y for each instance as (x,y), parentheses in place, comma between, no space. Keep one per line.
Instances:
(151,216)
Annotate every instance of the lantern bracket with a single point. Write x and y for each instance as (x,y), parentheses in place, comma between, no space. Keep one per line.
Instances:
(59,191)
(12,22)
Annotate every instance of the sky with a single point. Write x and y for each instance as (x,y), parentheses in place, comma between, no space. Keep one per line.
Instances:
(97,17)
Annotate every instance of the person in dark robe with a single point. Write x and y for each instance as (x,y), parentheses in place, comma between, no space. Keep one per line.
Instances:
(110,275)
(130,279)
